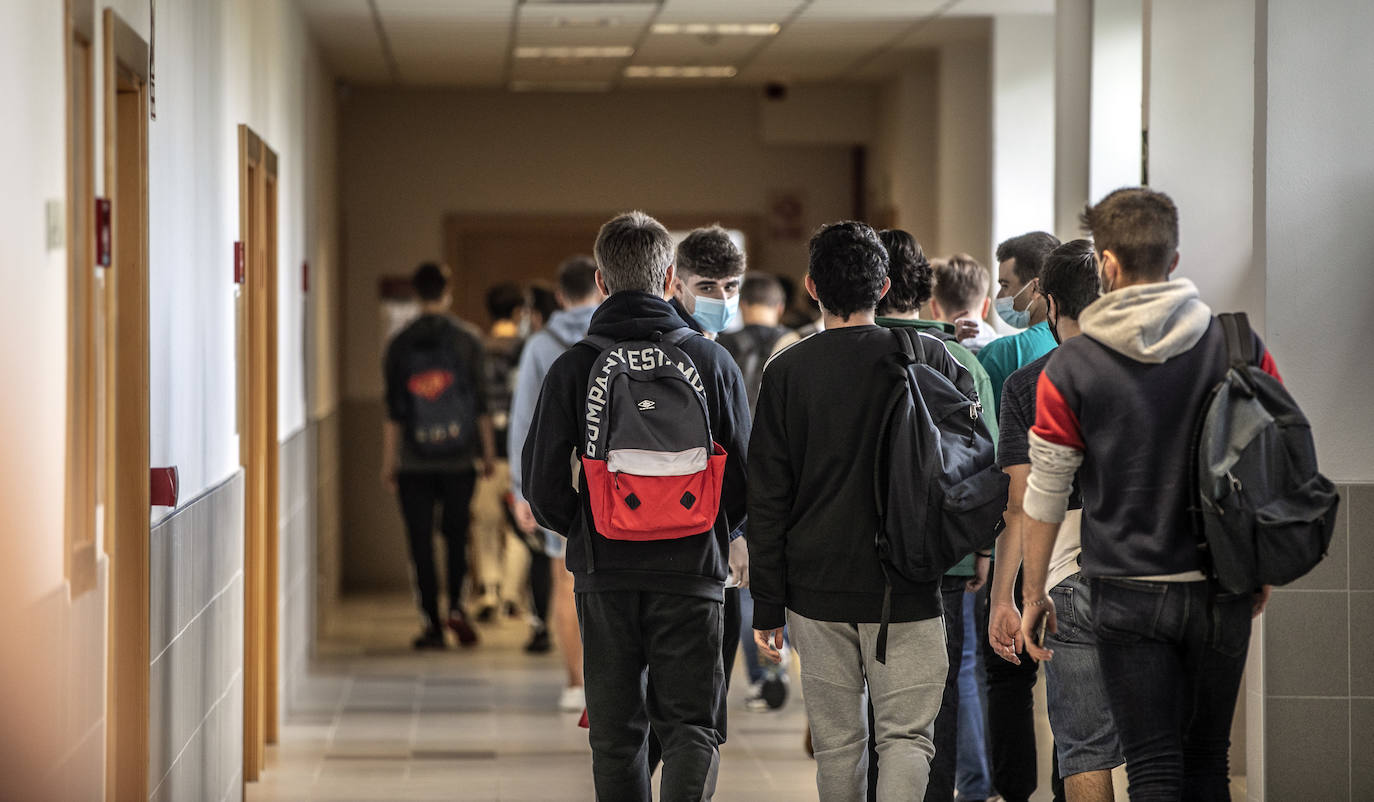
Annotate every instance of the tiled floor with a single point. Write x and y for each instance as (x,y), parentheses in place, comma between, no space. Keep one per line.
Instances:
(377,721)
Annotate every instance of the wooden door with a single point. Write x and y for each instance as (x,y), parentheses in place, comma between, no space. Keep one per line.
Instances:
(126,507)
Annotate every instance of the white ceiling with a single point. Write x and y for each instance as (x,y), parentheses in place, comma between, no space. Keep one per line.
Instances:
(471,43)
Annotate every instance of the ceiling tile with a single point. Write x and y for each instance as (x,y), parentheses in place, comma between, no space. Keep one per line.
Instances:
(347,39)
(686,49)
(728,10)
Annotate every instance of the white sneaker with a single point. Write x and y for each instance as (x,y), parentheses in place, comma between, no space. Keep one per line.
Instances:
(573,699)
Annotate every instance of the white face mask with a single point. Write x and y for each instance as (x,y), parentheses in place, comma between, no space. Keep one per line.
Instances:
(715,315)
(1006,309)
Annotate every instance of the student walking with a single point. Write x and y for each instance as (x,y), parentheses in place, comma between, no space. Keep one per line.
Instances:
(1086,746)
(579,296)
(437,426)
(649,565)
(1119,408)
(813,561)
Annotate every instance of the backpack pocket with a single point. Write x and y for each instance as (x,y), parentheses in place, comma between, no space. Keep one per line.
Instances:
(1292,533)
(972,512)
(628,506)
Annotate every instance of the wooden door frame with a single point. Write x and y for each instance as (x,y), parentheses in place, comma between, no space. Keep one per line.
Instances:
(127,500)
(258,448)
(458,226)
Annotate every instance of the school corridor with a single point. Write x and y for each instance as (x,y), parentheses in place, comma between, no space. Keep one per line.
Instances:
(214,225)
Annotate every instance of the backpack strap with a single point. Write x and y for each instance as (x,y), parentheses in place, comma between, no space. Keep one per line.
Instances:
(906,340)
(678,336)
(597,342)
(1240,342)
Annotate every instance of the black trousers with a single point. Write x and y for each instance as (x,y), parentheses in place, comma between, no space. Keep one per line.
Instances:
(653,660)
(729,647)
(1010,713)
(418,493)
(541,584)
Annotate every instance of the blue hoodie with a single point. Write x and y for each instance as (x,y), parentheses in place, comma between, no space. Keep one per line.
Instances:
(564,329)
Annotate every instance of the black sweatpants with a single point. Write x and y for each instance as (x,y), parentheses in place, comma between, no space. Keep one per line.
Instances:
(653,659)
(541,584)
(418,493)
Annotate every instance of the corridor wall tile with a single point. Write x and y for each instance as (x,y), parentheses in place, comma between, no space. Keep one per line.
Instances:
(1315,758)
(1306,652)
(1362,641)
(1361,742)
(1359,500)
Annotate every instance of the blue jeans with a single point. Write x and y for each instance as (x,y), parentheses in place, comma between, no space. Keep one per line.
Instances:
(973,777)
(1084,739)
(1172,654)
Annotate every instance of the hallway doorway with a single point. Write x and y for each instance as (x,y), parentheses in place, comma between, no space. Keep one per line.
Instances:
(126,507)
(258,446)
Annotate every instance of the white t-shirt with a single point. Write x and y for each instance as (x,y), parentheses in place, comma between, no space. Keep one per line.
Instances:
(1067,545)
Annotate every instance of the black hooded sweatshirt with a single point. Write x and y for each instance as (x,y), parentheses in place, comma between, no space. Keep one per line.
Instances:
(690,566)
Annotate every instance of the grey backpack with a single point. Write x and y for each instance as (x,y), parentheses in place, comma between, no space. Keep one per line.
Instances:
(1265,513)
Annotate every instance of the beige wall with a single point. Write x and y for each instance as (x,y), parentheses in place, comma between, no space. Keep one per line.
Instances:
(410,157)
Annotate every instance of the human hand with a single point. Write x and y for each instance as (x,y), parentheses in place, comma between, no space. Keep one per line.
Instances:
(1040,610)
(981,566)
(739,562)
(1004,632)
(1261,600)
(769,642)
(965,328)
(524,516)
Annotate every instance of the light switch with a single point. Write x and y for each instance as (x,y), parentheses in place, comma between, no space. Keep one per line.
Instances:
(57,224)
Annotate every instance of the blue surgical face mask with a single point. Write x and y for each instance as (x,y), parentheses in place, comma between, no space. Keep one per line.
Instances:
(1006,309)
(715,315)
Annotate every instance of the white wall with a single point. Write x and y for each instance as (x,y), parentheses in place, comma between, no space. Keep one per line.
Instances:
(1319,237)
(1117,87)
(1023,125)
(1073,21)
(218,64)
(965,149)
(1202,144)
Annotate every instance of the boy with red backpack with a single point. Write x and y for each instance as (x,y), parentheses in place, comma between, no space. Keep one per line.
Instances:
(637,451)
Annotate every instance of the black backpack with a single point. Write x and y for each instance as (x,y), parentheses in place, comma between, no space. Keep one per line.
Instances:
(1265,513)
(443,402)
(751,347)
(940,494)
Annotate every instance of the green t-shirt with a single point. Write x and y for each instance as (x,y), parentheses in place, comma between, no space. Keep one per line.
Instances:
(1006,355)
(981,383)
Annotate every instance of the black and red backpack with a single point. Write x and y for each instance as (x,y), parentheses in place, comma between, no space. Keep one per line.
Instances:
(652,470)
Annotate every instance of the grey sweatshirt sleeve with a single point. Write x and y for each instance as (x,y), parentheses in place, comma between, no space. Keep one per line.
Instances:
(1051,479)
(529,378)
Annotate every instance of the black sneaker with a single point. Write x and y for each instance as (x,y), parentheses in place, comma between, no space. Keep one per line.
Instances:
(773,689)
(432,638)
(486,613)
(539,642)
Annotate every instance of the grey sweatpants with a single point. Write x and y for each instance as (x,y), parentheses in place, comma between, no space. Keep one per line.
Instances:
(839,672)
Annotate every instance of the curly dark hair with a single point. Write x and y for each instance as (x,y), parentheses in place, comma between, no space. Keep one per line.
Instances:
(711,253)
(1071,278)
(910,271)
(849,266)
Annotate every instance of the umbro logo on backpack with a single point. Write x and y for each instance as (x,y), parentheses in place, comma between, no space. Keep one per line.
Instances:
(649,477)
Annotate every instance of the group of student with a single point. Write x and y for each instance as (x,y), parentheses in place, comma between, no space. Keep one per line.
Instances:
(679,467)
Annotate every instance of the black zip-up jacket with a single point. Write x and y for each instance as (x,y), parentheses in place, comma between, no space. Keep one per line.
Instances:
(690,566)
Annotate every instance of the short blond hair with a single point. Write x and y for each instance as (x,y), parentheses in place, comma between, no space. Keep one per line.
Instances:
(960,282)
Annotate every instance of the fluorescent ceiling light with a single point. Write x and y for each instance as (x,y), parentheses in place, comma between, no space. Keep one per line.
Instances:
(719,28)
(641,71)
(574,52)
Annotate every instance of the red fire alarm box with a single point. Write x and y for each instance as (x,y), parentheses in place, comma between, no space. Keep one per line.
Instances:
(102,232)
(163,487)
(239,268)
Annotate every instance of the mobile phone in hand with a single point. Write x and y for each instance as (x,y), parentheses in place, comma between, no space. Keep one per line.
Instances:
(1040,631)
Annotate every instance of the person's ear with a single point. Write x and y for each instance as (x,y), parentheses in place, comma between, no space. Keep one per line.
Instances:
(1173,265)
(935,311)
(887,285)
(670,282)
(983,310)
(811,288)
(601,283)
(1051,309)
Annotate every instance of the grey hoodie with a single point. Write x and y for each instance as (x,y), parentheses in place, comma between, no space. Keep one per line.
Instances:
(1149,323)
(543,347)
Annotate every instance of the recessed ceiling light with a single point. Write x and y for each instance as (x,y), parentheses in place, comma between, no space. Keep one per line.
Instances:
(642,71)
(720,28)
(574,52)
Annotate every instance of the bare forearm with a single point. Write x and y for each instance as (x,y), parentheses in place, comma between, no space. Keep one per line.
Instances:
(1008,558)
(1038,544)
